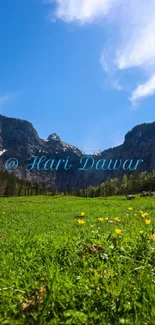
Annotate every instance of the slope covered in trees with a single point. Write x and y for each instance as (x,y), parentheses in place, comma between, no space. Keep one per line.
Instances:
(10,185)
(119,186)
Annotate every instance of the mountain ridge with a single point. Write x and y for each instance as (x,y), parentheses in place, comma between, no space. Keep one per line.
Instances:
(18,138)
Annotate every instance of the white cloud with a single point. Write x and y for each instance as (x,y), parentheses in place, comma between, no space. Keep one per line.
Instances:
(82,10)
(132,41)
(143,90)
(137,46)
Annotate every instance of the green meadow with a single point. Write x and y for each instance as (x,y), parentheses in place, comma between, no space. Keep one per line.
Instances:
(58,267)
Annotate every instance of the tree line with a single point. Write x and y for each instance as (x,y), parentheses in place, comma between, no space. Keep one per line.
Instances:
(10,185)
(127,184)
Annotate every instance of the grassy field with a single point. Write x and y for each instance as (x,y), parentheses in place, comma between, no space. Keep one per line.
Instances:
(93,270)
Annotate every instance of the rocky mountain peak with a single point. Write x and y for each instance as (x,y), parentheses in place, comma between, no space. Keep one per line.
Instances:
(140,133)
(53,137)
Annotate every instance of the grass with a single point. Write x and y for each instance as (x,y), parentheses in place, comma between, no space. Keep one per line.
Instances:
(56,271)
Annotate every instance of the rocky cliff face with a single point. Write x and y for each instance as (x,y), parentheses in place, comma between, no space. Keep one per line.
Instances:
(19,139)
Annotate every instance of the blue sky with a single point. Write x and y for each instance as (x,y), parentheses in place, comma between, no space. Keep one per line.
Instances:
(82,69)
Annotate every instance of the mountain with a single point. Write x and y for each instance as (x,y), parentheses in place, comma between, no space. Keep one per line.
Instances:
(19,139)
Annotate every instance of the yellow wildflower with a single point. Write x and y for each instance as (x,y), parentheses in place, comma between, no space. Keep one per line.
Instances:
(82,214)
(153,237)
(106,218)
(147,221)
(92,226)
(144,214)
(100,219)
(130,209)
(118,231)
(116,219)
(81,222)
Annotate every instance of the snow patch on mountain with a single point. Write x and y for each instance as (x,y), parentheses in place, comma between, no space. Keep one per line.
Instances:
(2,151)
